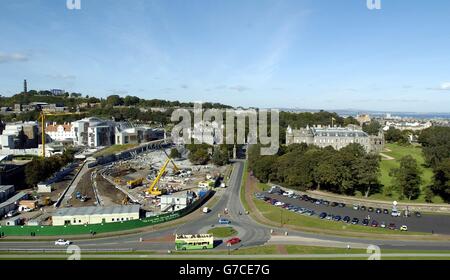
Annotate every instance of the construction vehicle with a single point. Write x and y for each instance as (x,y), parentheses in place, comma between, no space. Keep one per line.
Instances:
(42,117)
(153,189)
(134,183)
(46,201)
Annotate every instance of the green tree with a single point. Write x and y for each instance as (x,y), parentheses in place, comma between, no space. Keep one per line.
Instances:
(372,128)
(221,155)
(441,183)
(407,177)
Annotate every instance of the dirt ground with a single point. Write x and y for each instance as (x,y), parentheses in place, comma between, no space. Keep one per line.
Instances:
(85,188)
(108,192)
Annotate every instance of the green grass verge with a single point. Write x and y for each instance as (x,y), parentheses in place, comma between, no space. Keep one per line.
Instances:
(114,150)
(221,232)
(243,183)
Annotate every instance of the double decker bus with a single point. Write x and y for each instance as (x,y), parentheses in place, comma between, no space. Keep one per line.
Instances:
(194,242)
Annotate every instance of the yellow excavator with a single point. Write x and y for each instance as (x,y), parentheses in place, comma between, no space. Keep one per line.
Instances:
(153,189)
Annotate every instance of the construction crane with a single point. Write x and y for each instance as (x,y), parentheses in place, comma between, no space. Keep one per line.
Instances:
(153,189)
(42,117)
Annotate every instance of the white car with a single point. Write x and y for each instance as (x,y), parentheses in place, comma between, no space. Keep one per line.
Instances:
(279,203)
(62,242)
(404,228)
(396,214)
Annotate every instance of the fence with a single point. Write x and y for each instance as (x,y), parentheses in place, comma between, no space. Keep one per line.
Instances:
(100,228)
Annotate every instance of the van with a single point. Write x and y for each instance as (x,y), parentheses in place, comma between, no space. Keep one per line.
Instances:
(205,210)
(223,221)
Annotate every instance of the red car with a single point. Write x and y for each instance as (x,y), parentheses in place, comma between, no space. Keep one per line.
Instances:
(234,240)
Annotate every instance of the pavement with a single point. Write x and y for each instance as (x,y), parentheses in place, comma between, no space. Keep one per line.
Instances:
(251,232)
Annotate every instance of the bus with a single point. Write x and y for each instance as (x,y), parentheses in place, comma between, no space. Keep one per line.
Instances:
(194,242)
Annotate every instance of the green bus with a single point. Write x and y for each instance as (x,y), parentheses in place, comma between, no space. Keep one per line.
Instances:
(194,242)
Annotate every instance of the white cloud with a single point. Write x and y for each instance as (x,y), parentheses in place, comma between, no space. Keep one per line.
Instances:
(445,86)
(13,57)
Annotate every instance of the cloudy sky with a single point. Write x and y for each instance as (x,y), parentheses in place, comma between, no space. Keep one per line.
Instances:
(320,54)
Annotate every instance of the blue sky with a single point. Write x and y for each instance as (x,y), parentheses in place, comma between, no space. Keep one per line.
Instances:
(321,54)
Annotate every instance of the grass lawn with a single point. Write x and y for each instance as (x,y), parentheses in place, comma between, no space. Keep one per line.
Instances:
(114,150)
(286,217)
(221,232)
(397,152)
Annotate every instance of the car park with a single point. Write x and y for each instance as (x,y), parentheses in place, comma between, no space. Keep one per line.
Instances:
(62,242)
(403,228)
(365,222)
(355,221)
(323,215)
(346,219)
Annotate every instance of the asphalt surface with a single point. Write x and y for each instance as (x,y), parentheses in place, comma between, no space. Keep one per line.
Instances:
(439,224)
(251,232)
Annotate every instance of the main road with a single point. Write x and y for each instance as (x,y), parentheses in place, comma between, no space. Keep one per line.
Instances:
(251,232)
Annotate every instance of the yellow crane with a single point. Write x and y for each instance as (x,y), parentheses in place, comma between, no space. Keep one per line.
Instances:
(42,117)
(153,189)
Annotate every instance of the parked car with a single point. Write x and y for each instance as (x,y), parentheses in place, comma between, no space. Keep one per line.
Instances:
(333,204)
(403,228)
(234,240)
(11,213)
(62,242)
(318,202)
(326,203)
(370,209)
(355,221)
(378,211)
(363,208)
(310,213)
(365,222)
(346,219)
(342,205)
(396,214)
(385,211)
(383,225)
(374,223)
(418,214)
(355,207)
(329,217)
(323,215)
(337,218)
(392,226)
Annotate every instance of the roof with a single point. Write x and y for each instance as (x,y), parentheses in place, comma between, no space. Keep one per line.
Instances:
(92,210)
(4,188)
(13,199)
(54,128)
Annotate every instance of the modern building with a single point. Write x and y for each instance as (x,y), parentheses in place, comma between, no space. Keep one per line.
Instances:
(336,137)
(125,133)
(93,132)
(408,125)
(12,203)
(6,192)
(20,135)
(95,215)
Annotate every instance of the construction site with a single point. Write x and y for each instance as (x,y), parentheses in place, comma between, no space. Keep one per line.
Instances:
(151,180)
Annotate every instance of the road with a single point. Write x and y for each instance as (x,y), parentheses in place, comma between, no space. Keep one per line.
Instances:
(251,232)
(74,185)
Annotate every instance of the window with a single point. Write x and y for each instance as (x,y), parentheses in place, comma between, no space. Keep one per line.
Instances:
(113,219)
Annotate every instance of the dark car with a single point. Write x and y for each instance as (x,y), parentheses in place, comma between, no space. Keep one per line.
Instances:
(391,226)
(342,205)
(365,222)
(355,221)
(374,223)
(370,209)
(418,214)
(385,211)
(346,219)
(337,218)
(326,203)
(333,204)
(323,215)
(363,208)
(378,211)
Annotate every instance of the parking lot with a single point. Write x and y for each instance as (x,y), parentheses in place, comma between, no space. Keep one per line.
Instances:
(430,223)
